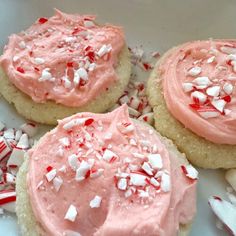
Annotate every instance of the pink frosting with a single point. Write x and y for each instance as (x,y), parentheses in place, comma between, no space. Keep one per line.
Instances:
(214,115)
(135,210)
(43,61)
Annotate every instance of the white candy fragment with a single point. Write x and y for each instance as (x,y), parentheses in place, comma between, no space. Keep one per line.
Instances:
(147,168)
(109,156)
(65,141)
(9,134)
(104,50)
(71,233)
(165,182)
(30,129)
(16,158)
(79,121)
(190,171)
(187,87)
(198,97)
(125,128)
(143,194)
(82,73)
(88,23)
(51,175)
(71,213)
(225,211)
(23,142)
(96,202)
(202,81)
(228,50)
(18,134)
(10,179)
(195,71)
(57,183)
(122,184)
(211,59)
(137,179)
(39,61)
(230,176)
(154,182)
(22,45)
(155,161)
(228,88)
(213,91)
(67,82)
(82,171)
(219,104)
(208,113)
(73,161)
(46,76)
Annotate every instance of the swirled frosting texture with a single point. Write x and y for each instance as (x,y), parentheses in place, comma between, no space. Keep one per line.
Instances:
(139,207)
(66,58)
(199,88)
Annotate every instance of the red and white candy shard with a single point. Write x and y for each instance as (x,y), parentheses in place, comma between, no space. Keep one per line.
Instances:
(82,171)
(109,156)
(16,158)
(80,121)
(122,184)
(51,175)
(57,183)
(30,129)
(95,202)
(225,211)
(125,128)
(190,171)
(5,149)
(71,213)
(7,196)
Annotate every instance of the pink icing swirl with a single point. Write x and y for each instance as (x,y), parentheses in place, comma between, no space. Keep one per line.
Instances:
(66,58)
(148,209)
(199,88)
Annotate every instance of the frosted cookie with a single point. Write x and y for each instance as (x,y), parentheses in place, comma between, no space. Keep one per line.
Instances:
(63,65)
(95,170)
(192,92)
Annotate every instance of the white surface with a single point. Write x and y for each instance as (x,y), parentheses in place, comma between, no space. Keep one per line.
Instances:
(157,25)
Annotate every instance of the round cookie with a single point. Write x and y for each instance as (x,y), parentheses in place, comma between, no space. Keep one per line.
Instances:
(199,151)
(25,214)
(31,102)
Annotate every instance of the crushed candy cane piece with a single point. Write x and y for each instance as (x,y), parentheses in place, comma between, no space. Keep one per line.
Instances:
(109,156)
(95,202)
(155,161)
(225,211)
(165,182)
(23,142)
(29,128)
(16,158)
(71,213)
(51,175)
(194,71)
(82,171)
(190,171)
(137,179)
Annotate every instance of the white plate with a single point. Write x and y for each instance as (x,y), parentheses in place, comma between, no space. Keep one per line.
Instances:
(157,25)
